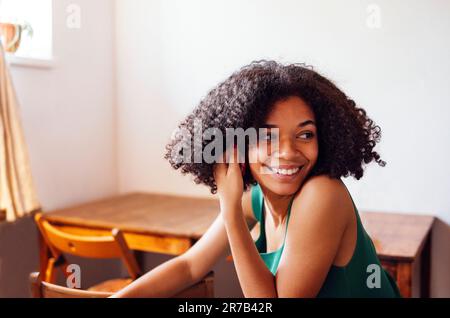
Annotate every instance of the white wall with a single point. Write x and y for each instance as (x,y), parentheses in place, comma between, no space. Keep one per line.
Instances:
(68,111)
(170,53)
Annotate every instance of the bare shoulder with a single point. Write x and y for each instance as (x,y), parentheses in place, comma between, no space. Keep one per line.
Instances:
(323,187)
(322,182)
(326,194)
(320,214)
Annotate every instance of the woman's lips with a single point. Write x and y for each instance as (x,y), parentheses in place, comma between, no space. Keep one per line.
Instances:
(284,173)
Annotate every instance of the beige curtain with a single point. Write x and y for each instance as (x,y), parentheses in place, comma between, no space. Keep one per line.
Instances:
(17,193)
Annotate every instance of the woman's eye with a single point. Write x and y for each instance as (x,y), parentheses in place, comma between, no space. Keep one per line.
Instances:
(306,135)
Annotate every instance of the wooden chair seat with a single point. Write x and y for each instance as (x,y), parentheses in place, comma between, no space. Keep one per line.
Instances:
(111,286)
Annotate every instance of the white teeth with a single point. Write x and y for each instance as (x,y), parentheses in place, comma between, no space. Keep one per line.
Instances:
(285,172)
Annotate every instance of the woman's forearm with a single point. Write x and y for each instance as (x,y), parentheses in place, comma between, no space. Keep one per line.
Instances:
(165,280)
(254,277)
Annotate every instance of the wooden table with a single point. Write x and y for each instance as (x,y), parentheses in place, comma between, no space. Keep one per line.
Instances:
(172,224)
(403,244)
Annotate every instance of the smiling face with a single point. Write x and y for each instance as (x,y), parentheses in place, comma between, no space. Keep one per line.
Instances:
(283,165)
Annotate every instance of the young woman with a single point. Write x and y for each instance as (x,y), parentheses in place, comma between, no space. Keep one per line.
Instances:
(312,242)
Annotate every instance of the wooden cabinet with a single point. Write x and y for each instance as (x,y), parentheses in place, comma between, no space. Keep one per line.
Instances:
(403,244)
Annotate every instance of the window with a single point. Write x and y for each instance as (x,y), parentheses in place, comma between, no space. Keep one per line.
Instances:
(38,15)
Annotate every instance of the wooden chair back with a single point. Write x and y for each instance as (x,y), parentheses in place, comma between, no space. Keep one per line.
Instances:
(60,242)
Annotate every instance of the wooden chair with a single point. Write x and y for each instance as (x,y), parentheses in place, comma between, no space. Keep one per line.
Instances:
(41,289)
(113,246)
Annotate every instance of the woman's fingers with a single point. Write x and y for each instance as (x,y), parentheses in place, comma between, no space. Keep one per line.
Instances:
(219,171)
(231,163)
(234,161)
(228,178)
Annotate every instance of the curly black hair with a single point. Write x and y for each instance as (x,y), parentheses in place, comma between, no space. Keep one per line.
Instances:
(346,135)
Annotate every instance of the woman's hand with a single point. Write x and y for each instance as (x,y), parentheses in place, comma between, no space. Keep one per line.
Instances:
(230,184)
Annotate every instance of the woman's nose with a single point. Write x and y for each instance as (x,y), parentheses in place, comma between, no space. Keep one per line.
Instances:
(287,149)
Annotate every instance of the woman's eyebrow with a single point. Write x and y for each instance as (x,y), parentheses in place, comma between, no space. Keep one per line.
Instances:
(302,124)
(307,122)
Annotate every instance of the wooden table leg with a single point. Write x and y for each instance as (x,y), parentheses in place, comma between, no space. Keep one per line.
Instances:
(404,272)
(425,267)
(44,255)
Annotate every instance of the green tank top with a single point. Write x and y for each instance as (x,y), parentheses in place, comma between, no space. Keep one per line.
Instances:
(347,281)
